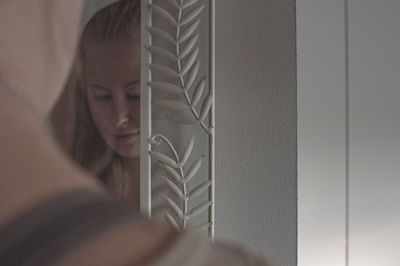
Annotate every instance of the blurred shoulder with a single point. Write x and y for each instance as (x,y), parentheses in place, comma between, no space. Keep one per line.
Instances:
(191,248)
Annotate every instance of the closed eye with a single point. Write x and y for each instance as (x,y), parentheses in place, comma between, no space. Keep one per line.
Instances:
(103,97)
(133,97)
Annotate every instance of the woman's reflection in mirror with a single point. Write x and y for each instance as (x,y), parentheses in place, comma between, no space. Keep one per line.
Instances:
(106,137)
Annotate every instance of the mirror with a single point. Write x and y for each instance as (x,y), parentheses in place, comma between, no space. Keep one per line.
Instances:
(97,119)
(142,120)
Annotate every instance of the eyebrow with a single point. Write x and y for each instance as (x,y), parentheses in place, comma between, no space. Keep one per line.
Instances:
(97,86)
(135,82)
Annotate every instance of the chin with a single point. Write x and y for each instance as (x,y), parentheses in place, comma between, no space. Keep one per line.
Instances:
(128,152)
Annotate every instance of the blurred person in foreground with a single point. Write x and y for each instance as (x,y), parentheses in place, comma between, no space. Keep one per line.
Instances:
(51,211)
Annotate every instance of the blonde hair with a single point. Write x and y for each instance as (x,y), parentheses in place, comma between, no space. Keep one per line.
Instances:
(117,22)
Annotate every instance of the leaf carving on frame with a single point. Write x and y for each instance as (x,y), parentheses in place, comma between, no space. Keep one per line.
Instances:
(172,173)
(198,91)
(192,74)
(161,34)
(165,87)
(187,152)
(199,189)
(186,108)
(188,31)
(160,51)
(174,3)
(193,169)
(206,106)
(164,70)
(173,104)
(190,61)
(164,14)
(188,46)
(187,4)
(183,119)
(164,159)
(191,15)
(174,188)
(198,210)
(174,207)
(171,220)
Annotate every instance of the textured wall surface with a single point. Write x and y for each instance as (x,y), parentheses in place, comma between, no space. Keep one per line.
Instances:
(256,164)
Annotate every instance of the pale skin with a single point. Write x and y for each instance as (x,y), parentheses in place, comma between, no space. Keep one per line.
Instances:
(112,81)
(32,167)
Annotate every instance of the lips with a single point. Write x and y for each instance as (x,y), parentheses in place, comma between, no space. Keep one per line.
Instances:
(129,137)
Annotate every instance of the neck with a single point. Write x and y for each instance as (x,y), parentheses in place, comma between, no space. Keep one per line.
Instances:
(32,168)
(132,165)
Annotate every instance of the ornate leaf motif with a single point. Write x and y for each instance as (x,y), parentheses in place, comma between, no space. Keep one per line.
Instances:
(188,46)
(173,105)
(187,4)
(188,31)
(174,3)
(192,74)
(161,34)
(172,173)
(193,169)
(186,69)
(171,220)
(198,210)
(191,15)
(182,119)
(165,87)
(151,140)
(164,13)
(206,106)
(187,152)
(198,91)
(160,51)
(164,159)
(190,61)
(199,189)
(174,207)
(174,188)
(164,70)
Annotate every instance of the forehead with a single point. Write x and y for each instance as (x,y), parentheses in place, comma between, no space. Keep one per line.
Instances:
(112,62)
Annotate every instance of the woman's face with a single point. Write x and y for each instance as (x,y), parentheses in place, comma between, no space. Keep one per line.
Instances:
(112,72)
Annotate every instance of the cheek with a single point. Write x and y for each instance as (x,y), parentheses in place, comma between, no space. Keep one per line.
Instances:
(100,115)
(135,112)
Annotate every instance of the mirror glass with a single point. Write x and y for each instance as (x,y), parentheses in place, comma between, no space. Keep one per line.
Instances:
(97,118)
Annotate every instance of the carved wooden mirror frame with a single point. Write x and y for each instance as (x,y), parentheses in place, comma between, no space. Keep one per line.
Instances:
(192,103)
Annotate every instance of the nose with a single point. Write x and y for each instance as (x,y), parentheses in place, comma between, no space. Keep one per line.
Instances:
(121,113)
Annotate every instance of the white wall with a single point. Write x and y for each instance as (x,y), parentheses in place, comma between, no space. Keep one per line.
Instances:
(362,213)
(321,132)
(374,114)
(256,126)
